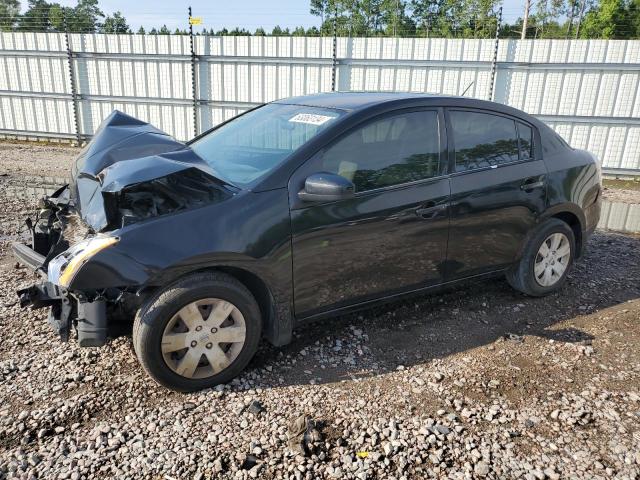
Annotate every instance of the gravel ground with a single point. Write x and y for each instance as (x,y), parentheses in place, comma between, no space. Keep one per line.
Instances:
(36,159)
(622,191)
(479,381)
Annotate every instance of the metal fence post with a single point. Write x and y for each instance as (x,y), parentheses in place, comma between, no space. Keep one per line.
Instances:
(194,88)
(334,60)
(495,55)
(72,79)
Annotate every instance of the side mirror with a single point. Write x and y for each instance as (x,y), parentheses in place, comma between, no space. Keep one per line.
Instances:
(326,187)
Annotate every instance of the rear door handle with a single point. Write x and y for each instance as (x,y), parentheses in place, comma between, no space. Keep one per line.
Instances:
(531,184)
(430,210)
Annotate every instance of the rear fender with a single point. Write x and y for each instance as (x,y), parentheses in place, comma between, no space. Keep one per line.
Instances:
(565,207)
(552,212)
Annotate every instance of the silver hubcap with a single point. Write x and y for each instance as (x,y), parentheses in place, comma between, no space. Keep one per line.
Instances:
(552,259)
(203,338)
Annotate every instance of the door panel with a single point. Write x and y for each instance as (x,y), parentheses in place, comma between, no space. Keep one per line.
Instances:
(377,243)
(492,211)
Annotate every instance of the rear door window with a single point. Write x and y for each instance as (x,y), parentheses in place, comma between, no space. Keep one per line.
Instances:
(483,140)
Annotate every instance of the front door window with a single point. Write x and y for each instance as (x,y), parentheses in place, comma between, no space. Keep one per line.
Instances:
(390,151)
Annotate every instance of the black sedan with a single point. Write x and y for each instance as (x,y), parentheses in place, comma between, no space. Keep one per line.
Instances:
(298,210)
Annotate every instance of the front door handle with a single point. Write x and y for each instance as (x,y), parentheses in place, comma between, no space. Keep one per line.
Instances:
(531,184)
(430,210)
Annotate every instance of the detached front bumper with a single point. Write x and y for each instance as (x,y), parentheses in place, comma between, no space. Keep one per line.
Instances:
(65,309)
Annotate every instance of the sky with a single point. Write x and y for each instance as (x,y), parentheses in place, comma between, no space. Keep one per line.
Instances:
(249,14)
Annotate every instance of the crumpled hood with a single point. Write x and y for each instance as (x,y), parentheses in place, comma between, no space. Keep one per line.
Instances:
(121,137)
(129,166)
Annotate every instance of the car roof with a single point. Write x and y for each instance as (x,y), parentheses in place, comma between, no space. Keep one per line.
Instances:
(353,100)
(360,101)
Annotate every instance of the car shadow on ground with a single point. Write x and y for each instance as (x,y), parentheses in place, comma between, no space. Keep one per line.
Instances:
(431,326)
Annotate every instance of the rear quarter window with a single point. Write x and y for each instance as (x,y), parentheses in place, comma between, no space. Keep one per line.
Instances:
(525,136)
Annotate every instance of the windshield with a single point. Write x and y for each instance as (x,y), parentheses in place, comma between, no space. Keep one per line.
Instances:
(253,144)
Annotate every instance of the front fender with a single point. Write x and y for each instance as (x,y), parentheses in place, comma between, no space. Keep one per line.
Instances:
(249,233)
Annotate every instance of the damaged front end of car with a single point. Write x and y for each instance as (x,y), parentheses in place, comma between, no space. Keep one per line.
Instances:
(129,173)
(55,230)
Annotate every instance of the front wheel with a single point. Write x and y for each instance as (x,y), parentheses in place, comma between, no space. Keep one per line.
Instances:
(546,259)
(197,333)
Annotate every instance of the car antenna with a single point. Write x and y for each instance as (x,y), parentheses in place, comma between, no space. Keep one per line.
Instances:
(467,89)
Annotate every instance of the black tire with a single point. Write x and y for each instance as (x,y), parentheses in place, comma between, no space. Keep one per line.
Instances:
(521,276)
(153,317)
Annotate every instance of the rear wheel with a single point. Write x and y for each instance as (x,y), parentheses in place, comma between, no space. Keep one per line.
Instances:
(546,259)
(197,333)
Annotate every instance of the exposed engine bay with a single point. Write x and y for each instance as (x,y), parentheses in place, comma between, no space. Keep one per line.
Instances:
(161,196)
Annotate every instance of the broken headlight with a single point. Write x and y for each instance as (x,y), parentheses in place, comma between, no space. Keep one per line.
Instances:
(63,268)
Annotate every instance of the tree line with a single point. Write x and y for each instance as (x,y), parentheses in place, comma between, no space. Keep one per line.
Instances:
(608,19)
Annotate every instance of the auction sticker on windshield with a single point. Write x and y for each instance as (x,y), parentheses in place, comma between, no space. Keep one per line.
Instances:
(311,118)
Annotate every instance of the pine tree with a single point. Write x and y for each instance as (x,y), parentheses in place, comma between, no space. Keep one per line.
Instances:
(9,11)
(116,24)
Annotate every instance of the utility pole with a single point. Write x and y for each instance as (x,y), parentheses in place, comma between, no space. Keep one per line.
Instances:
(525,19)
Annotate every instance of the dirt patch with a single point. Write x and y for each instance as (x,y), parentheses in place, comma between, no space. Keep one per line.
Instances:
(625,191)
(45,160)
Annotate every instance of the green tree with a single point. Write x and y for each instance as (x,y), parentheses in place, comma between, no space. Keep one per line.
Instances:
(428,16)
(364,17)
(634,19)
(116,24)
(320,8)
(610,19)
(164,30)
(455,18)
(85,17)
(260,32)
(36,18)
(299,32)
(42,16)
(9,11)
(484,18)
(141,31)
(394,16)
(545,18)
(280,32)
(59,17)
(239,32)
